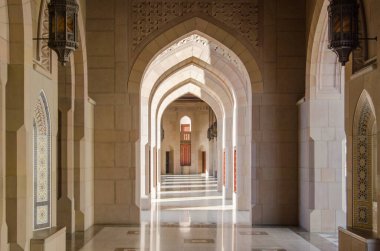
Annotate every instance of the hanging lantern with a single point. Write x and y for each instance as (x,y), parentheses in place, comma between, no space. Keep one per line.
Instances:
(343,28)
(209,134)
(214,130)
(63,23)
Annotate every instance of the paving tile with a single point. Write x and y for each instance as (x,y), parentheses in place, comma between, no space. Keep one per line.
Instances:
(199,241)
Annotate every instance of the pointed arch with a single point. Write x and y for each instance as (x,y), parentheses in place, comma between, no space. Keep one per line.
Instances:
(364,121)
(321,81)
(210,29)
(41,164)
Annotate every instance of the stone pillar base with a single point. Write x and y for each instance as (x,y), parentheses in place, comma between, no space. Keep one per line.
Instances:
(357,240)
(49,239)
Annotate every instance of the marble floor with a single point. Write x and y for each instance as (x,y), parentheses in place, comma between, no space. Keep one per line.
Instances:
(187,199)
(190,214)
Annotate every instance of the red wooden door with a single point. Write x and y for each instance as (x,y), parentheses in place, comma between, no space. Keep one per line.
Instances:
(185,154)
(203,162)
(185,147)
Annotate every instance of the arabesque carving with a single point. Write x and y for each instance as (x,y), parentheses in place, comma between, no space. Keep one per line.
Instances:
(362,168)
(218,49)
(239,15)
(43,50)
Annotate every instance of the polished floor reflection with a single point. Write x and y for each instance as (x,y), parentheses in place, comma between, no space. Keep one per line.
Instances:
(190,192)
(202,238)
(187,199)
(190,213)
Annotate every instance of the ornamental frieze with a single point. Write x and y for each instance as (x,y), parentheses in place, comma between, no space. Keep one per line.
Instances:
(238,15)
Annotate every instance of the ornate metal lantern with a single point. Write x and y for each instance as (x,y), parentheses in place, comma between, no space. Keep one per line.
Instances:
(343,28)
(63,23)
(215,129)
(212,131)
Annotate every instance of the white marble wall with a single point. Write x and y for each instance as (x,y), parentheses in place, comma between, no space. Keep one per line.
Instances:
(321,165)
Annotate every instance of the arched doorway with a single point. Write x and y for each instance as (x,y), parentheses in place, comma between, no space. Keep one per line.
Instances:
(193,89)
(185,142)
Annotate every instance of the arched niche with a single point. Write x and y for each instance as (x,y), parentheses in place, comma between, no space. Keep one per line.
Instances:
(41,164)
(364,136)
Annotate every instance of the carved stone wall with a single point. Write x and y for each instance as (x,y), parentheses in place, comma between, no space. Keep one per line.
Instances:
(238,15)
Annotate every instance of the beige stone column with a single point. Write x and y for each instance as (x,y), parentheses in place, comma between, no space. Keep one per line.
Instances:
(243,159)
(321,166)
(16,193)
(17,208)
(65,208)
(83,169)
(83,139)
(228,188)
(217,146)
(4,60)
(210,159)
(3,224)
(154,172)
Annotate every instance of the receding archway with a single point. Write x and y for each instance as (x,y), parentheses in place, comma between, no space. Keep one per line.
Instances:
(227,83)
(206,88)
(204,94)
(145,70)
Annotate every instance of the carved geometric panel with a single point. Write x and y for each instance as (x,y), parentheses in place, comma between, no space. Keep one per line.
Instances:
(362,169)
(41,164)
(238,15)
